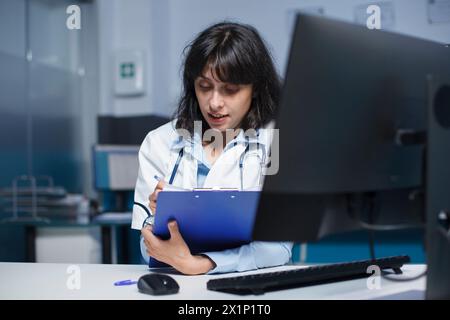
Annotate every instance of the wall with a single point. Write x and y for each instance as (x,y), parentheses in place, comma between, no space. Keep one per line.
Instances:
(123,25)
(165,27)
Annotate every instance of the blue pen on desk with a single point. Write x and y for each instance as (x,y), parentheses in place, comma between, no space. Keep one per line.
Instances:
(125,282)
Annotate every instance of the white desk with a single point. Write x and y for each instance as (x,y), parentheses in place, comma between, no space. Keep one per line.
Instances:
(49,281)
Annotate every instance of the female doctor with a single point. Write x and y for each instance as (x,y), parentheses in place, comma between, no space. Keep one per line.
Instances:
(217,139)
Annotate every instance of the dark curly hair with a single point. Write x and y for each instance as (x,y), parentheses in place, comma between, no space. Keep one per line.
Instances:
(237,54)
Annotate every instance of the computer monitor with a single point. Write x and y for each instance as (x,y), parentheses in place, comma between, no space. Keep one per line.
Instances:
(352,124)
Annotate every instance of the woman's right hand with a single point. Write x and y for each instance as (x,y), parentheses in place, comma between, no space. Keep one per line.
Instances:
(154,196)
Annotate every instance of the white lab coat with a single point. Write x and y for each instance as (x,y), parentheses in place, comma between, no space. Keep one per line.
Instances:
(158,155)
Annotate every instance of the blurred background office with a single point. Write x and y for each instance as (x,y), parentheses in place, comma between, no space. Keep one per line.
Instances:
(75,103)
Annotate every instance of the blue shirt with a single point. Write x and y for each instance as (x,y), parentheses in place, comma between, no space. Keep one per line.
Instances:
(202,172)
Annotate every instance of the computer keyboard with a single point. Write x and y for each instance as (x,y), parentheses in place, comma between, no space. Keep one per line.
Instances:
(263,282)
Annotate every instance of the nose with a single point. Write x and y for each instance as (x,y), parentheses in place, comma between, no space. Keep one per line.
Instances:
(216,102)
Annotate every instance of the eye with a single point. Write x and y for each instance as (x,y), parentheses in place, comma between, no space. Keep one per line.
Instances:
(204,86)
(231,89)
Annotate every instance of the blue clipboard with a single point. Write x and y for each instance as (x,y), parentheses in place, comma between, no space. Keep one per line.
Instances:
(211,220)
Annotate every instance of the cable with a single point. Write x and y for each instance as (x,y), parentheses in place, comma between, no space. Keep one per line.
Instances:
(371,232)
(370,197)
(403,279)
(372,226)
(383,274)
(372,244)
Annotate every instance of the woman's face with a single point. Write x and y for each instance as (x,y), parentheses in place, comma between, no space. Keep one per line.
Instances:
(223,105)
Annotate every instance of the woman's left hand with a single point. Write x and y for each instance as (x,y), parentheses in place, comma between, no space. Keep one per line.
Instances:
(175,251)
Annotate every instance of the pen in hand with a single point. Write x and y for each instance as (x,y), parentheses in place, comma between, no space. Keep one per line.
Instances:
(154,195)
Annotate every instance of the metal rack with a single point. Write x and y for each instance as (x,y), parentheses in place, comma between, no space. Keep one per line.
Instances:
(26,194)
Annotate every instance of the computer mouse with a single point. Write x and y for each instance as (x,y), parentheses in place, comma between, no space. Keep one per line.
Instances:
(157,284)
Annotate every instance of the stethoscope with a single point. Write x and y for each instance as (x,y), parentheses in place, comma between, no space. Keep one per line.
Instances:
(241,161)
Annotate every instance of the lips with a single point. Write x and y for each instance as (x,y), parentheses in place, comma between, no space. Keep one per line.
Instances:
(217,116)
(217,119)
